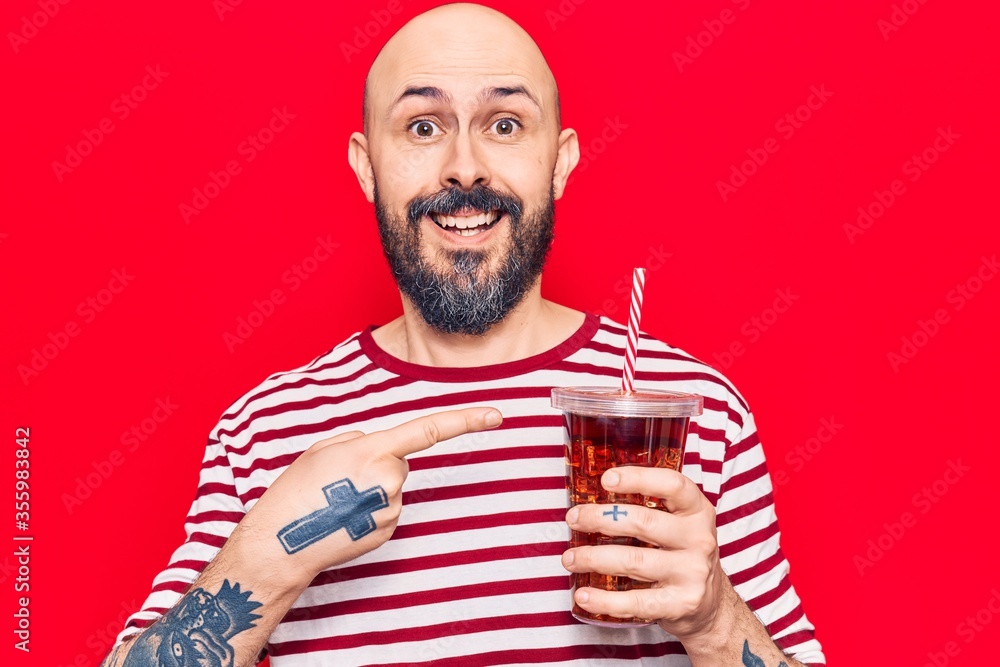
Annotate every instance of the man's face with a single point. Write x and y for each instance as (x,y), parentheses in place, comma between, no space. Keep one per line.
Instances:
(463,137)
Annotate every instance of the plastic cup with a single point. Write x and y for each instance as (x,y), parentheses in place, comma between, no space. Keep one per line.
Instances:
(606,428)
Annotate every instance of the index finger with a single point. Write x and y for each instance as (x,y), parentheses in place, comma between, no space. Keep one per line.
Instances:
(419,434)
(677,493)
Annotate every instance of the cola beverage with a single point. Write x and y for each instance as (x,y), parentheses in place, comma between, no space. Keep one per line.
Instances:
(606,428)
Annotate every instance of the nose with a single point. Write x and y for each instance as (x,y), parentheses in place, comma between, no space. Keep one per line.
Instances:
(464,166)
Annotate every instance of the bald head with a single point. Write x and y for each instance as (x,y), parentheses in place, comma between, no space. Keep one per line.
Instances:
(455,42)
(463,156)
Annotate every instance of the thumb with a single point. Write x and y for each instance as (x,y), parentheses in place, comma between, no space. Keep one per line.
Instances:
(340,437)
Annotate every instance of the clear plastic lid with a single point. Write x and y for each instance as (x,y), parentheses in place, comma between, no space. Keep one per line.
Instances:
(611,401)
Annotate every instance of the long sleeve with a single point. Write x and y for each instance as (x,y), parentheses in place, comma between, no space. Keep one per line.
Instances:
(749,546)
(213,515)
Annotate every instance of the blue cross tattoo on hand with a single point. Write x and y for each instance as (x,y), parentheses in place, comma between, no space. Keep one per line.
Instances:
(615,513)
(348,509)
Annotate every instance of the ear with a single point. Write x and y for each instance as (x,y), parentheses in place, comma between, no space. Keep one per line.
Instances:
(567,158)
(360,161)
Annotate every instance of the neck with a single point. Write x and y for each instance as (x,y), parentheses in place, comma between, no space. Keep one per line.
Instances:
(534,326)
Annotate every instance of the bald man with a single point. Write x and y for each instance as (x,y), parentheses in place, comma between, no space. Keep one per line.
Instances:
(298,544)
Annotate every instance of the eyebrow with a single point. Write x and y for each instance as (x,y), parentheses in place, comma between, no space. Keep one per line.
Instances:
(422,91)
(491,94)
(500,92)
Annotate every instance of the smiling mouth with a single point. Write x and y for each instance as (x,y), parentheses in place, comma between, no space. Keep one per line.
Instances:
(470,224)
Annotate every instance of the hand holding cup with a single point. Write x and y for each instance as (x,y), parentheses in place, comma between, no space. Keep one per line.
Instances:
(681,577)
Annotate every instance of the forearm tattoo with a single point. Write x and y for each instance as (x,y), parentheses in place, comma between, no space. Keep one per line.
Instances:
(197,632)
(348,508)
(751,660)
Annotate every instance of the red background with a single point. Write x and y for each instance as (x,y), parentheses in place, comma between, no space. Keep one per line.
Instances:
(655,184)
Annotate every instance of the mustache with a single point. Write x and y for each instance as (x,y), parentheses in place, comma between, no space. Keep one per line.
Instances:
(451,200)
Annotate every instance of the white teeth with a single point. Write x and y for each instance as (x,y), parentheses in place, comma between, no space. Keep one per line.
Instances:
(464,222)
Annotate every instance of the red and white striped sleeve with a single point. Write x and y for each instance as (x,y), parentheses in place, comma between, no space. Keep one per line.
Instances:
(750,550)
(213,515)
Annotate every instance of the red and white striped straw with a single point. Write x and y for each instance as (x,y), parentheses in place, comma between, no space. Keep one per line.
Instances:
(634,313)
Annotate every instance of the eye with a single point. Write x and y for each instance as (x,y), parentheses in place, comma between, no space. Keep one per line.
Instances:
(423,128)
(505,126)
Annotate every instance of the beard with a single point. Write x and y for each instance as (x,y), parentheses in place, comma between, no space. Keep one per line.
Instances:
(460,294)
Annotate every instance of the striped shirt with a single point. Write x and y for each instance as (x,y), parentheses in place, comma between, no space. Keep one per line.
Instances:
(472,574)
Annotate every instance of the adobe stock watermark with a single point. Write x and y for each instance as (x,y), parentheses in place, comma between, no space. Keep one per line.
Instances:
(923,501)
(365,33)
(100,641)
(102,468)
(696,43)
(754,328)
(58,340)
(562,12)
(31,25)
(248,149)
(8,568)
(967,630)
(655,260)
(786,126)
(121,108)
(294,277)
(900,14)
(798,458)
(593,149)
(223,7)
(913,169)
(957,298)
